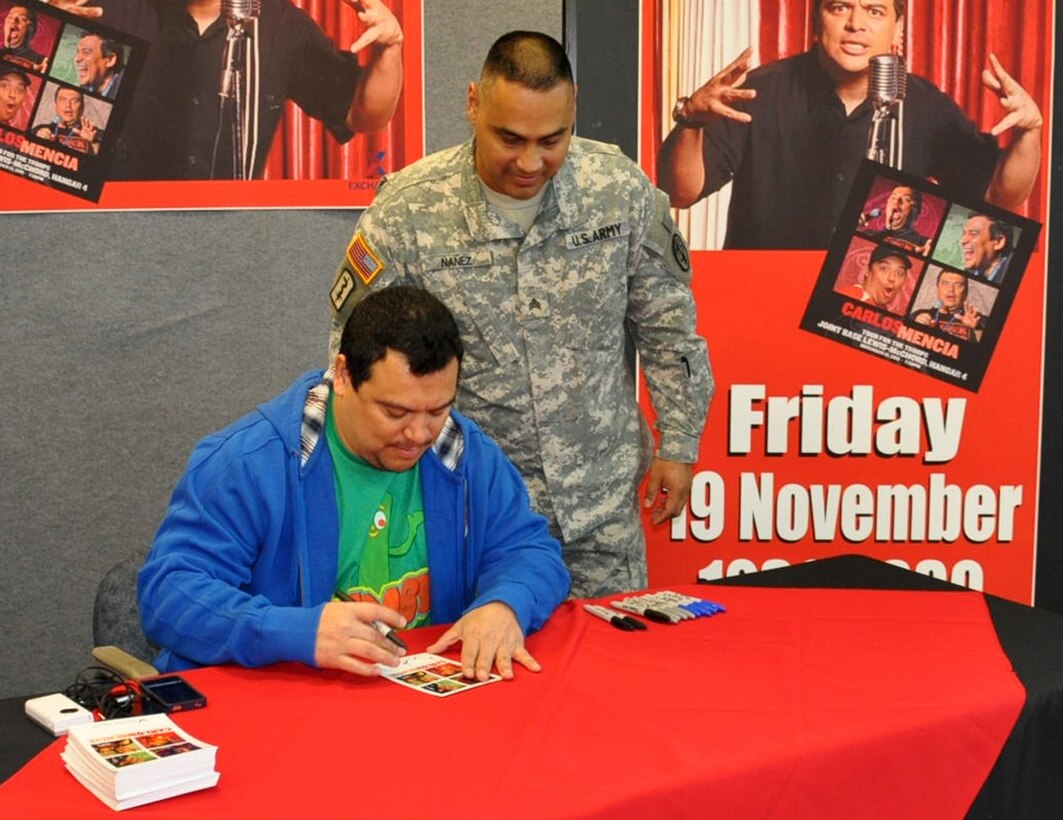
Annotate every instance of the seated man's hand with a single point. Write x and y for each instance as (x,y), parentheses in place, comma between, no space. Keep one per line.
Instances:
(347,639)
(490,636)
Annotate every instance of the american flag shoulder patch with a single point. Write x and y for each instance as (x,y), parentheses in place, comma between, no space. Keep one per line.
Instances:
(365,263)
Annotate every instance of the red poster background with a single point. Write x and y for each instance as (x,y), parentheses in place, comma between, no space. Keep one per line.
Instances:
(306,167)
(749,307)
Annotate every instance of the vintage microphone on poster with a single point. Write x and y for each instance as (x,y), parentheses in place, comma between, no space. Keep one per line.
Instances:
(237,77)
(886,83)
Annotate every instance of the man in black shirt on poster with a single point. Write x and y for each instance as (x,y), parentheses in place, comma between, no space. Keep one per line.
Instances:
(175,130)
(791,134)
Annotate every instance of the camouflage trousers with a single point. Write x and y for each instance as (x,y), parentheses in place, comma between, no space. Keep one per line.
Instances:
(610,558)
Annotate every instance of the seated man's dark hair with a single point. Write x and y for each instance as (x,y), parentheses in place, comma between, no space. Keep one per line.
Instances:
(408,320)
(528,58)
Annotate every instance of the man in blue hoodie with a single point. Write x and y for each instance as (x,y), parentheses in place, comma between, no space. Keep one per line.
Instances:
(370,486)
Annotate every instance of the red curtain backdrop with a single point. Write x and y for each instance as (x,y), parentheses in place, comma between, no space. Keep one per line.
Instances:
(947,42)
(303,148)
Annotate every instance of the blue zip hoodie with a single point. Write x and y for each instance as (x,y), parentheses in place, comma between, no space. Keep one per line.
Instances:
(245,559)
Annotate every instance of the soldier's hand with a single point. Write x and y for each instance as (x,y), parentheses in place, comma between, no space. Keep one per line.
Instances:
(668,488)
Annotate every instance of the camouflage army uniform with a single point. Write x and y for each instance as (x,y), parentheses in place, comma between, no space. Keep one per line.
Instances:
(543,317)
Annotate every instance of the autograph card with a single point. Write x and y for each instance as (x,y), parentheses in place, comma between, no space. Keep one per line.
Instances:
(433,675)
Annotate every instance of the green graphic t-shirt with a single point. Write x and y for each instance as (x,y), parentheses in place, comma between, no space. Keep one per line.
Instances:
(383,555)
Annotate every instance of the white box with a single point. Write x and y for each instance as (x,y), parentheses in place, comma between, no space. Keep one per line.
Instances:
(57,713)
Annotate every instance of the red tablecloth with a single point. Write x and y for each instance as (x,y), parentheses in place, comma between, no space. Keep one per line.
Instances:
(795,703)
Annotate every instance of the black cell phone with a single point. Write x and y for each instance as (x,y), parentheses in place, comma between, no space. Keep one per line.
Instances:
(171,693)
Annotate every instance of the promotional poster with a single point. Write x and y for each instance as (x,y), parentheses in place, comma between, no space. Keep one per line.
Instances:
(251,113)
(876,328)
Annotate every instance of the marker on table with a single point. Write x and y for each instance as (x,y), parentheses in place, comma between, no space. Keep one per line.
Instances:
(379,626)
(650,613)
(619,621)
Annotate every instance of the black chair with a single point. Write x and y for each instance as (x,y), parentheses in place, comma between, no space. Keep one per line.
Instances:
(117,636)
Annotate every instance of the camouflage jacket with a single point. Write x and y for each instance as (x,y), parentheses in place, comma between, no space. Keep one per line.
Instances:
(548,318)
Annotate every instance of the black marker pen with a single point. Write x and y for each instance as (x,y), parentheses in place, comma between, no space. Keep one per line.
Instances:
(379,626)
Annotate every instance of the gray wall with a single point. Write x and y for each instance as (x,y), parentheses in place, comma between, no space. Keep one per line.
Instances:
(127,337)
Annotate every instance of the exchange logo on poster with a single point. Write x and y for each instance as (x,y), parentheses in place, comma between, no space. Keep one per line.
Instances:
(65,84)
(920,279)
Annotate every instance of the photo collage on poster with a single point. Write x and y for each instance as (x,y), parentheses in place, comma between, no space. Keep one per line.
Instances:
(919,279)
(64,88)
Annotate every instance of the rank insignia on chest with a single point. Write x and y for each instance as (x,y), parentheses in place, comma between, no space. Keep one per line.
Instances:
(365,263)
(341,288)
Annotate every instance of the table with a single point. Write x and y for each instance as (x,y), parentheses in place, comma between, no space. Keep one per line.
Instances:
(1024,782)
(794,703)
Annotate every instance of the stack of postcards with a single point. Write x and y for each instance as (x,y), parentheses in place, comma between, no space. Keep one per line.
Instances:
(132,761)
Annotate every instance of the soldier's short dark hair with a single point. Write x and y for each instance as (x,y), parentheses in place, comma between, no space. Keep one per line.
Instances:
(528,58)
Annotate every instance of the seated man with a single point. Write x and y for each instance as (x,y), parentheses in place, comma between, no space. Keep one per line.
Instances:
(372,486)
